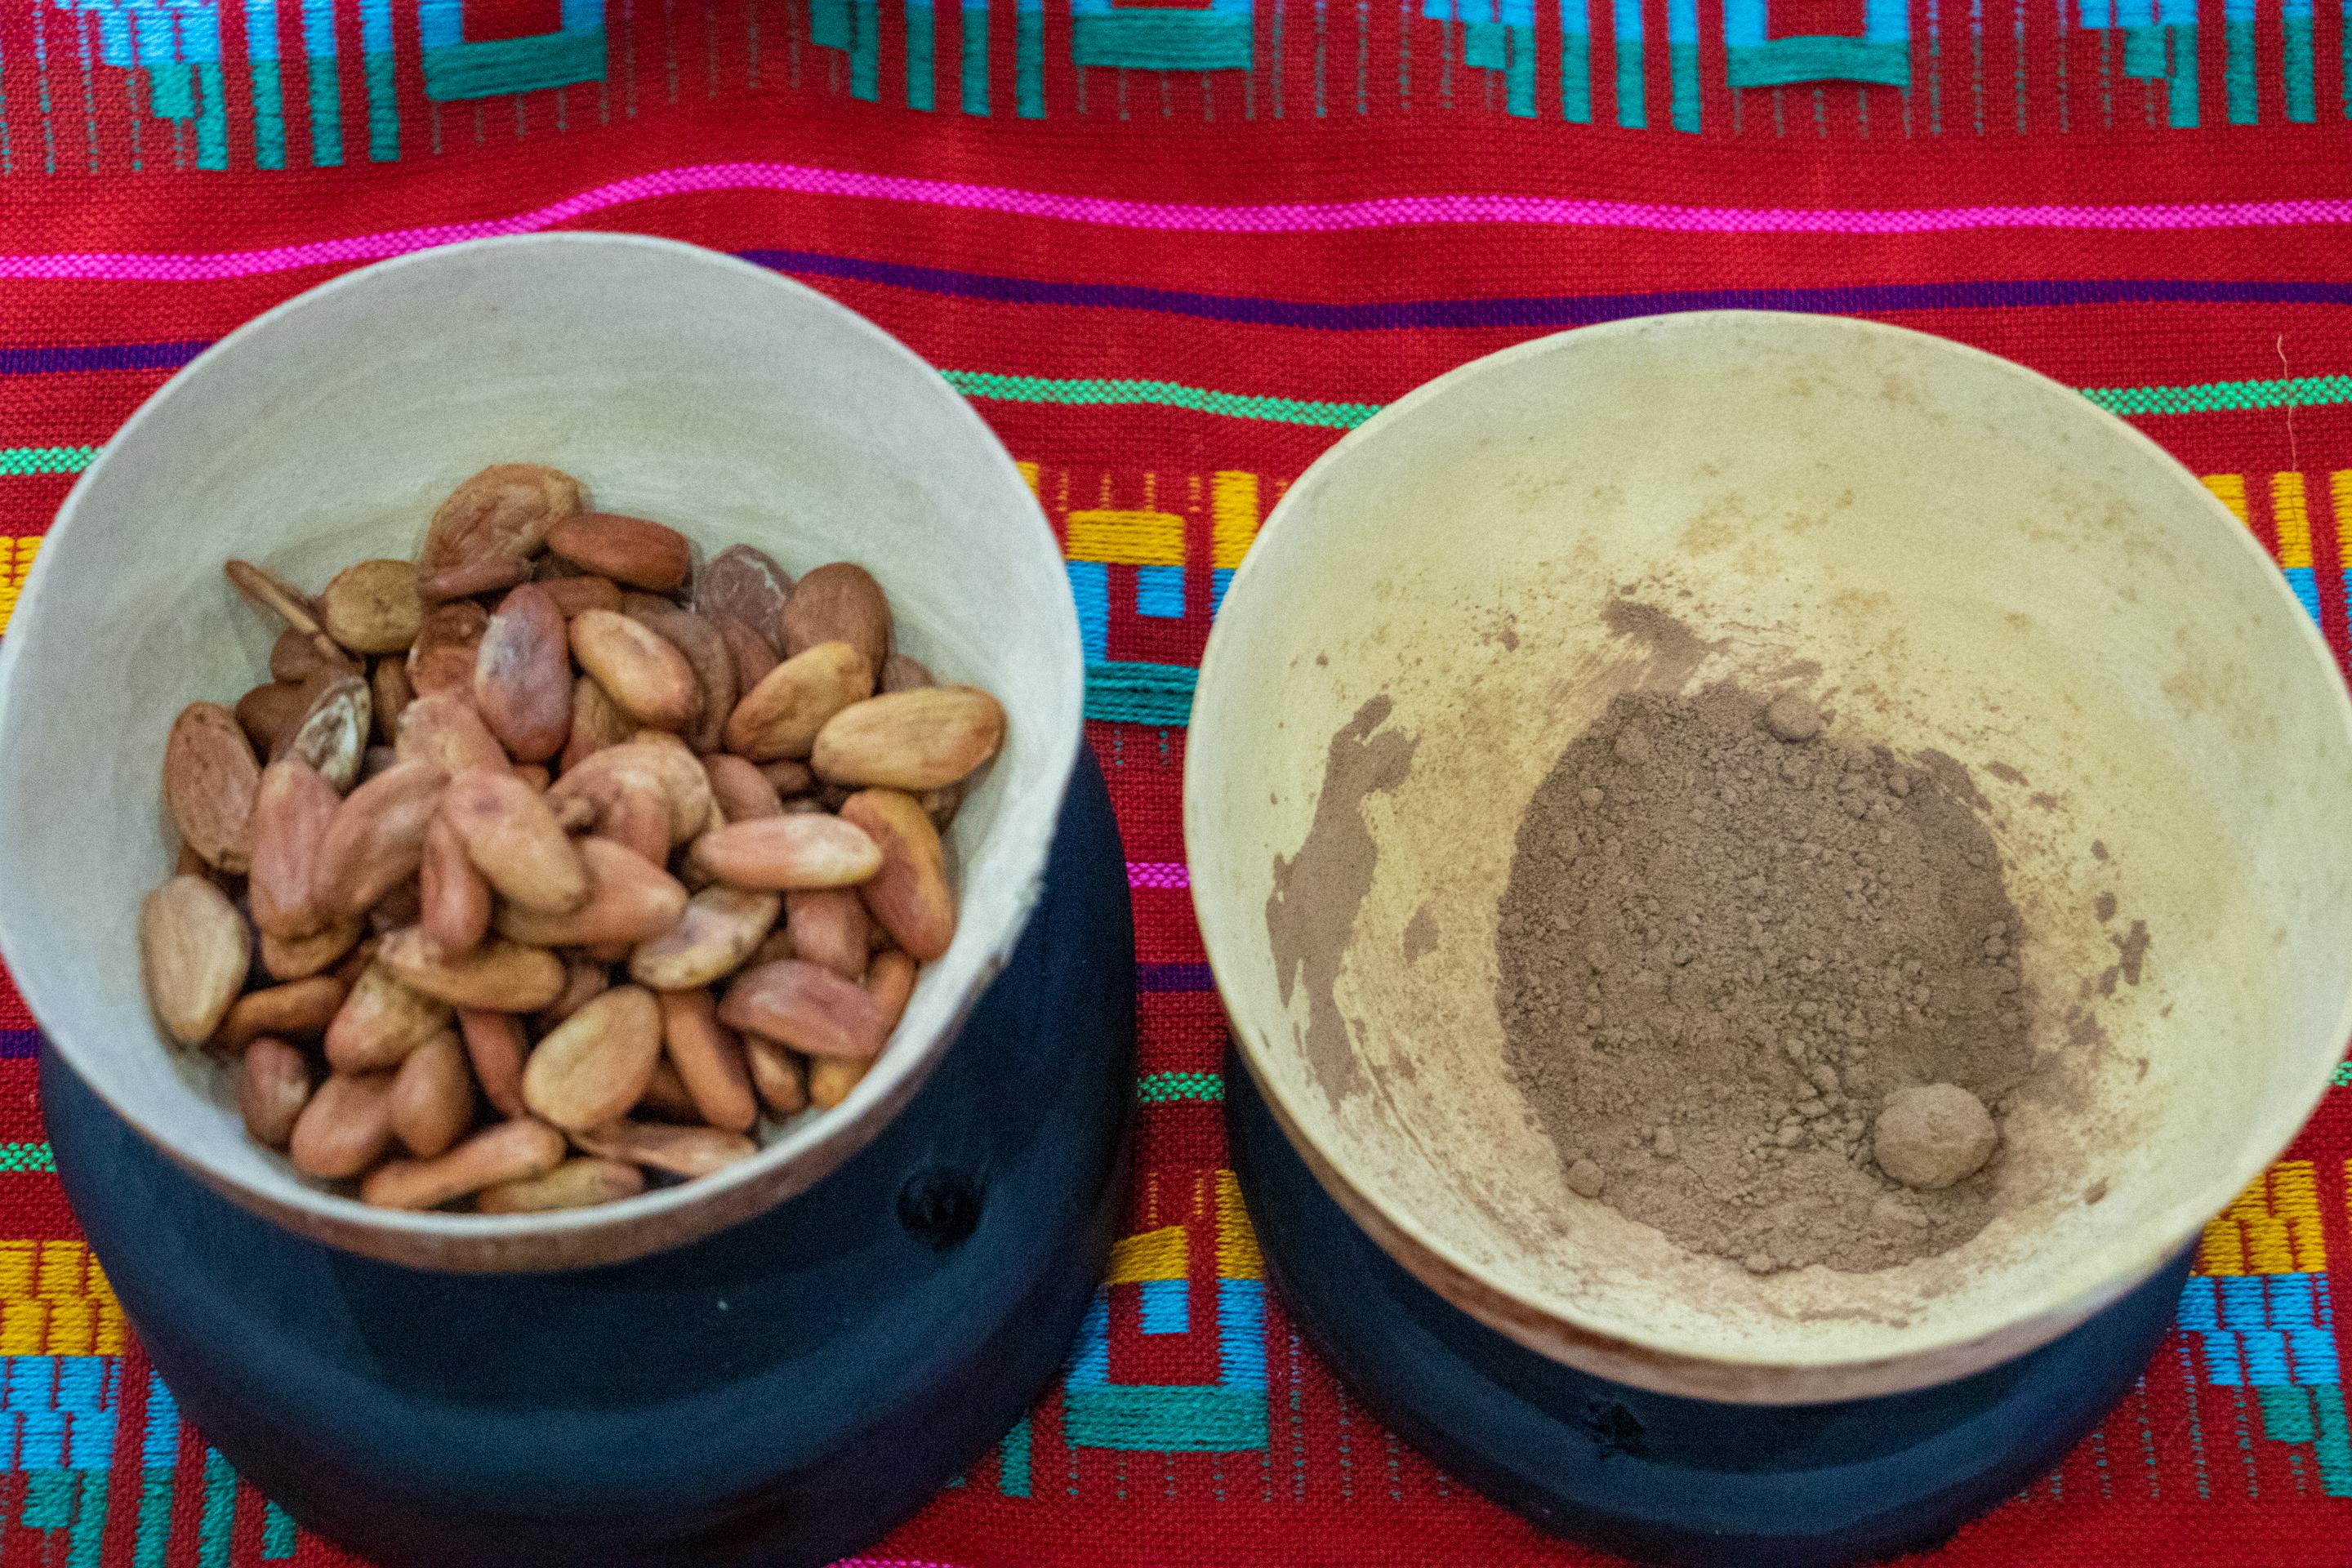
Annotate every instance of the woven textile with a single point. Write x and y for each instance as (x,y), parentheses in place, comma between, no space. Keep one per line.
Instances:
(1171,249)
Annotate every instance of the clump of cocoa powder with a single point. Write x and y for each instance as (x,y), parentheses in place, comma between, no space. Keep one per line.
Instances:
(1730,934)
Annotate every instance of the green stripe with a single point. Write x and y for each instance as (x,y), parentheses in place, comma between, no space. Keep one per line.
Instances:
(2343,1074)
(1168,1087)
(2223,396)
(21,1157)
(1090,392)
(18,460)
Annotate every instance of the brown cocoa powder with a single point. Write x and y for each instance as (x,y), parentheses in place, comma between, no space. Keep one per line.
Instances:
(1722,949)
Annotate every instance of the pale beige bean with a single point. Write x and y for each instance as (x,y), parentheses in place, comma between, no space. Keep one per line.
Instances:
(594,1065)
(646,676)
(273,1086)
(373,606)
(345,1128)
(375,841)
(511,1152)
(629,900)
(298,1010)
(777,1076)
(433,1097)
(677,1151)
(380,1021)
(781,716)
(786,853)
(298,958)
(446,730)
(512,837)
(714,936)
(291,810)
(909,894)
(577,1183)
(453,899)
(503,976)
(210,779)
(709,1058)
(807,1007)
(506,510)
(194,951)
(914,740)
(830,927)
(495,1047)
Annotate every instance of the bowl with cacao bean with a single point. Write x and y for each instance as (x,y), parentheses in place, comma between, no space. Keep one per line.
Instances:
(525,753)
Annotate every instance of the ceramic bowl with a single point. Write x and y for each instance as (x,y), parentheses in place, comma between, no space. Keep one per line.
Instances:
(676,384)
(1977,559)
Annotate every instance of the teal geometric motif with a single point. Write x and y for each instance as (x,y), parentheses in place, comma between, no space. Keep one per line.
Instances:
(2275,1333)
(454,69)
(1223,1417)
(2159,45)
(1755,58)
(1499,34)
(178,44)
(1216,36)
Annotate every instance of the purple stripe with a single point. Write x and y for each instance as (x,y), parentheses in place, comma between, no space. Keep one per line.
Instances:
(1550,310)
(1173,977)
(1522,311)
(41,361)
(19,1045)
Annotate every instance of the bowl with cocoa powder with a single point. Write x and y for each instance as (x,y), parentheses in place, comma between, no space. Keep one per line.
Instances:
(537,745)
(1766,857)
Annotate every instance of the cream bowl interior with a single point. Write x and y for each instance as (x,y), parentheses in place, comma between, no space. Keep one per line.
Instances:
(1978,560)
(677,384)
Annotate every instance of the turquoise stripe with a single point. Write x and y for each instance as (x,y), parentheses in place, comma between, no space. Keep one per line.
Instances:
(918,54)
(975,60)
(1013,1466)
(1029,62)
(84,1548)
(325,113)
(866,51)
(383,109)
(50,1498)
(268,117)
(278,1535)
(2296,64)
(1164,1420)
(1576,78)
(1137,693)
(1682,67)
(1519,78)
(156,1490)
(1631,113)
(220,1512)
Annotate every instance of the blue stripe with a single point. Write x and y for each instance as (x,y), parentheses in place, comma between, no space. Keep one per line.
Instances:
(19,1045)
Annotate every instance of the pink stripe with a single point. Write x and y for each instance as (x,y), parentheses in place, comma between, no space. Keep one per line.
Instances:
(1157,874)
(1288,217)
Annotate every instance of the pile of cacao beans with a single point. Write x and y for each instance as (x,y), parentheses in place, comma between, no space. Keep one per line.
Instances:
(550,864)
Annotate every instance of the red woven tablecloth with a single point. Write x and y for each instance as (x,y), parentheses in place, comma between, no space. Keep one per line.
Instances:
(1172,249)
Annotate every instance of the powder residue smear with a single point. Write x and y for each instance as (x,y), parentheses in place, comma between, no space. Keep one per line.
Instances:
(1729,936)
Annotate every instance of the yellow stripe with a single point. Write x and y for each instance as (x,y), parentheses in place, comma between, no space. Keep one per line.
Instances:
(2272,1227)
(1028,475)
(1127,538)
(1232,509)
(56,1301)
(2293,519)
(24,1328)
(1237,1254)
(1155,1254)
(2231,491)
(13,563)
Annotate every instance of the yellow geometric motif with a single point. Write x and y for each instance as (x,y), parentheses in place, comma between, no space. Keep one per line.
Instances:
(54,1301)
(2272,1227)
